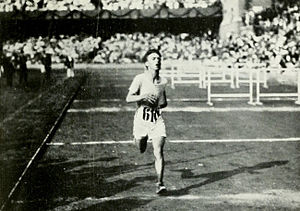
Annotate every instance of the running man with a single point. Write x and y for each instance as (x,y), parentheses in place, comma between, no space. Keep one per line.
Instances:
(148,91)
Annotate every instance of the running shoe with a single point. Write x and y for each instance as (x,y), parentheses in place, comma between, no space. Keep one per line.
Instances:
(160,188)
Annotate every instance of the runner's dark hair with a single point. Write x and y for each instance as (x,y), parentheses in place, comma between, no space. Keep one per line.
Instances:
(150,51)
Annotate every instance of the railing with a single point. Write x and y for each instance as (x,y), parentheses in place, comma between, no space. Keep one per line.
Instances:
(254,76)
(260,94)
(184,72)
(248,82)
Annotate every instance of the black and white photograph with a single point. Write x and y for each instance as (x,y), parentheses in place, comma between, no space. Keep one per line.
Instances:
(159,105)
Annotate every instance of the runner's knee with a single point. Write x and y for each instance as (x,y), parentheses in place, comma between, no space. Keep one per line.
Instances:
(158,153)
(158,147)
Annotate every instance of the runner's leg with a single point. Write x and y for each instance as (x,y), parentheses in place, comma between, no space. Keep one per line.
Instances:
(141,143)
(158,145)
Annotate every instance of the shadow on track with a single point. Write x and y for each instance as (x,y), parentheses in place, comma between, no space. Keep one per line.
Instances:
(219,175)
(120,204)
(59,183)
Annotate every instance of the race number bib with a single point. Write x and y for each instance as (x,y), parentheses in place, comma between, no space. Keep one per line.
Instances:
(150,115)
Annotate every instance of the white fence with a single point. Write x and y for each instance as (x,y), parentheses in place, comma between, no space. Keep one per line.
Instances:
(207,76)
(248,81)
(184,72)
(260,94)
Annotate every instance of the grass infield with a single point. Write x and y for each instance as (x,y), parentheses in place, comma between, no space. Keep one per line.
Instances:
(22,131)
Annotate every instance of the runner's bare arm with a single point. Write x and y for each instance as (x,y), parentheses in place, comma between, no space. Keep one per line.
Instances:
(163,103)
(133,97)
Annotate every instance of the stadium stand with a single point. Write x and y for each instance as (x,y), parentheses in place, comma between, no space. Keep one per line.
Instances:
(276,42)
(51,5)
(273,49)
(243,58)
(60,5)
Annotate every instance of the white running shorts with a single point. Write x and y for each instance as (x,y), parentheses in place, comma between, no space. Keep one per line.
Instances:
(148,122)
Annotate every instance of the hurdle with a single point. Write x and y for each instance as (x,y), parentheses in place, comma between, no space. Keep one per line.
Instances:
(187,72)
(211,95)
(195,72)
(259,94)
(166,69)
(218,75)
(249,66)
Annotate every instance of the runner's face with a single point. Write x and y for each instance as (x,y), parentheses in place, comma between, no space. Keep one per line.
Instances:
(153,61)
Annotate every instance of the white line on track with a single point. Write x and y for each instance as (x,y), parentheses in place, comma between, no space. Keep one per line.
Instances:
(188,100)
(100,100)
(123,100)
(181,141)
(195,109)
(107,86)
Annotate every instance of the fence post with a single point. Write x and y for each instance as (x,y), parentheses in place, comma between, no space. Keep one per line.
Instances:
(298,87)
(258,87)
(223,75)
(209,87)
(250,87)
(265,79)
(237,78)
(180,70)
(200,74)
(231,77)
(172,77)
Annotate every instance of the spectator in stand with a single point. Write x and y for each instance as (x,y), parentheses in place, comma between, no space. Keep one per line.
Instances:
(46,61)
(8,69)
(1,63)
(23,71)
(69,64)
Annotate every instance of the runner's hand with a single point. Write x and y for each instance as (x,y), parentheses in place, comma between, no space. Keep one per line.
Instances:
(151,98)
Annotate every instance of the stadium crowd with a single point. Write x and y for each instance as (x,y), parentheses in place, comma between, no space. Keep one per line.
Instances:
(276,49)
(112,5)
(277,44)
(281,30)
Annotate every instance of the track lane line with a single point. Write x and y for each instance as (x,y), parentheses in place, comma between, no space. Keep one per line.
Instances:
(188,100)
(194,109)
(294,139)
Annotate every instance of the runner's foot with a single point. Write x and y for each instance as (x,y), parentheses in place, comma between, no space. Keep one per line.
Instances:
(160,188)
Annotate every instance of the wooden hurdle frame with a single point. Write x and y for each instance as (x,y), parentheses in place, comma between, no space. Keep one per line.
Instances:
(218,76)
(259,94)
(197,73)
(180,75)
(249,66)
(209,75)
(211,95)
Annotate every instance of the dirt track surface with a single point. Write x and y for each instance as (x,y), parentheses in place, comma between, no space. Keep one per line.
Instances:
(199,176)
(213,176)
